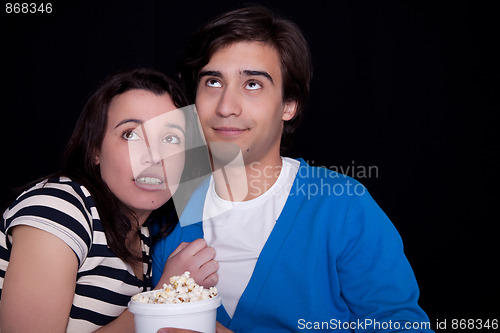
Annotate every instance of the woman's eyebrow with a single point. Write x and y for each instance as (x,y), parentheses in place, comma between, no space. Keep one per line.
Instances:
(129,120)
(172,125)
(140,122)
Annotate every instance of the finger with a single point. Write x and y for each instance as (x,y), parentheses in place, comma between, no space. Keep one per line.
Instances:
(203,256)
(196,262)
(208,268)
(207,274)
(179,248)
(195,246)
(221,329)
(211,281)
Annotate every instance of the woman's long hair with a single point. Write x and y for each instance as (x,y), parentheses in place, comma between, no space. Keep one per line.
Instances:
(79,158)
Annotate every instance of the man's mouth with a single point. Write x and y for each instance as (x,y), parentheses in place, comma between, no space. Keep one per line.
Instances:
(229,130)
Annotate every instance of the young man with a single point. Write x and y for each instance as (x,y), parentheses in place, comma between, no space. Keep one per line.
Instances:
(298,247)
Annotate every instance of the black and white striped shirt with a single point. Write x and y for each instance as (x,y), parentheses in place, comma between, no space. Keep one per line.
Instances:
(104,282)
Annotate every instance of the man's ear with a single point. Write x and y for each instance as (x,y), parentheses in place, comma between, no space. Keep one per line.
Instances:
(289,110)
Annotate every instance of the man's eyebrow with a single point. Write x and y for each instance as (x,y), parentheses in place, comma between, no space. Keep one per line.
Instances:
(210,73)
(246,72)
(129,120)
(249,72)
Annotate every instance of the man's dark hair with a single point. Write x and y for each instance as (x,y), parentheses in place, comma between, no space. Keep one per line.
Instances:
(253,24)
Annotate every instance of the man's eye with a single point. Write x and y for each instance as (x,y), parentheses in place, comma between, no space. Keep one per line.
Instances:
(130,135)
(214,83)
(172,139)
(253,85)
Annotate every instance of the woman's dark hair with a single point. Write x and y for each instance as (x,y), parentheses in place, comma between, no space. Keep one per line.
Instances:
(79,158)
(253,23)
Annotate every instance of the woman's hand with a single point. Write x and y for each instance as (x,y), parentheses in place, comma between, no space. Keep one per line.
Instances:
(219,329)
(197,258)
(174,330)
(222,329)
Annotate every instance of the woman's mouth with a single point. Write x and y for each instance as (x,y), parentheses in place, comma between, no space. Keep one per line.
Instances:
(150,183)
(149,180)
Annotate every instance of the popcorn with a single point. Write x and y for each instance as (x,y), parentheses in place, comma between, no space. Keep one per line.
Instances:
(182,289)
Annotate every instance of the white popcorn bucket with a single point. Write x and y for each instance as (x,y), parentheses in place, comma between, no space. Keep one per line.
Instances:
(199,316)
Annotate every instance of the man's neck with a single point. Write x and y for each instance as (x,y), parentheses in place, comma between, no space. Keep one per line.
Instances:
(240,181)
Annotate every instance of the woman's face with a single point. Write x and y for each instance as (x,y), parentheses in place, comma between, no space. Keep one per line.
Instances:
(142,154)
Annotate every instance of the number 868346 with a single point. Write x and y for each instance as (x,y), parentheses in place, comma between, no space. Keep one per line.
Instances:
(28,8)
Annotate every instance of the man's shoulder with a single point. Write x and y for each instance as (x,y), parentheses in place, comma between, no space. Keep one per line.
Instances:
(322,174)
(315,185)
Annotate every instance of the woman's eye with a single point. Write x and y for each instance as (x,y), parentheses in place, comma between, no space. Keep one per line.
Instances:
(253,85)
(213,83)
(130,135)
(172,139)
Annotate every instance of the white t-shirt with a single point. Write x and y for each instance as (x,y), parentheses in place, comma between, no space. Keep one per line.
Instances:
(238,231)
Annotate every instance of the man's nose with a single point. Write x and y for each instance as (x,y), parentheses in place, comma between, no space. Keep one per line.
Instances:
(229,103)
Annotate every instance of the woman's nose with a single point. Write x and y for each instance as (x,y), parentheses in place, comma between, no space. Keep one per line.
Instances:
(152,154)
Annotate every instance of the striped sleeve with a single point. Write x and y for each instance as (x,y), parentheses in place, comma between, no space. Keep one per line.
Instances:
(58,208)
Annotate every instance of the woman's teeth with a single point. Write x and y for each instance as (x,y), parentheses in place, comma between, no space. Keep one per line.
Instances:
(149,180)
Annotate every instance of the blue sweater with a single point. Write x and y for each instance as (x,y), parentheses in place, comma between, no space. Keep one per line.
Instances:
(333,262)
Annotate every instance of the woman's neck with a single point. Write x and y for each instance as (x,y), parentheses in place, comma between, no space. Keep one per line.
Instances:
(140,217)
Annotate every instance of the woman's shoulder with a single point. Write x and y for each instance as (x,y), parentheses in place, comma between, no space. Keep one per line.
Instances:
(60,206)
(61,193)
(59,187)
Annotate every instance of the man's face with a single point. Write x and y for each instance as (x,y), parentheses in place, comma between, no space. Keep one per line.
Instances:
(239,100)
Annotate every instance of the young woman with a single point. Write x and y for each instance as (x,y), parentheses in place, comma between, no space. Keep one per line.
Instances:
(75,246)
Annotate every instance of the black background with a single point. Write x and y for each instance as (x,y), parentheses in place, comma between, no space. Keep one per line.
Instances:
(408,88)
